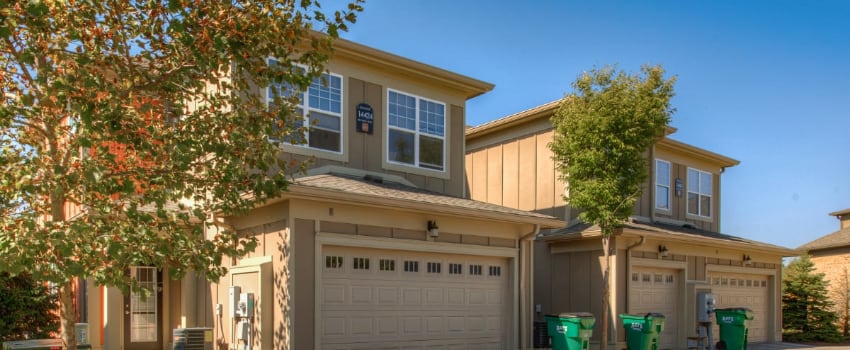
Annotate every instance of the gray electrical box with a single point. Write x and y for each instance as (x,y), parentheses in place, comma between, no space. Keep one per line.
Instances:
(705,306)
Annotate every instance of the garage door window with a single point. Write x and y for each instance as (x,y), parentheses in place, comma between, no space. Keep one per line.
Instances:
(386,265)
(495,271)
(476,270)
(434,267)
(411,266)
(333,262)
(361,263)
(455,269)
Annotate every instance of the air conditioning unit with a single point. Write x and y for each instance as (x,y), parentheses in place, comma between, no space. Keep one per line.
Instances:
(193,338)
(82,333)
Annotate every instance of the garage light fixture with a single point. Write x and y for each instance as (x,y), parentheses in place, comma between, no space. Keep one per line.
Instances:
(748,261)
(433,230)
(662,251)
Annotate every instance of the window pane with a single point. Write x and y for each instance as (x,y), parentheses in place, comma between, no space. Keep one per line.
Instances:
(705,183)
(402,111)
(431,153)
(693,180)
(431,118)
(400,145)
(324,121)
(705,206)
(325,94)
(693,203)
(662,197)
(662,173)
(324,139)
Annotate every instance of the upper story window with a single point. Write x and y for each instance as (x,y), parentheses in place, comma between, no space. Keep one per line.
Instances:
(416,130)
(320,108)
(699,193)
(662,184)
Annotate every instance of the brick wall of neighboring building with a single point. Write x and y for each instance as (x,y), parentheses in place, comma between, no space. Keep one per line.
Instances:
(835,264)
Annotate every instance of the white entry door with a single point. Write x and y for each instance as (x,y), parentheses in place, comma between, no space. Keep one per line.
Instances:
(382,299)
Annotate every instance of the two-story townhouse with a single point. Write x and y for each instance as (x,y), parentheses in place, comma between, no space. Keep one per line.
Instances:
(374,247)
(831,256)
(670,251)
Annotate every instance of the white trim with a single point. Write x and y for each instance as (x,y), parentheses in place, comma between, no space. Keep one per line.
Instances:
(667,185)
(416,134)
(699,193)
(740,269)
(664,264)
(324,238)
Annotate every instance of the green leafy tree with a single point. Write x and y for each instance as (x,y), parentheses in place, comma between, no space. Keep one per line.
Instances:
(807,313)
(26,308)
(602,132)
(127,127)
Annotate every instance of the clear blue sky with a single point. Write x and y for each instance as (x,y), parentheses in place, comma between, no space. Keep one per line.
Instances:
(764,82)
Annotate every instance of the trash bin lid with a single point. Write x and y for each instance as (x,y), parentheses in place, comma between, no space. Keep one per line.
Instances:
(575,315)
(735,309)
(654,315)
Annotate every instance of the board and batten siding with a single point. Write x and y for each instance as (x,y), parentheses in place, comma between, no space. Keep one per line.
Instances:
(517,173)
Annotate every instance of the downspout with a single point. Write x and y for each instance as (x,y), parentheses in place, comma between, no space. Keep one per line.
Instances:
(526,306)
(629,267)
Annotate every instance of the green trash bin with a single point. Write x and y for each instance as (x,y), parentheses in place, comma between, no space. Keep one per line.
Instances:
(734,327)
(642,331)
(570,330)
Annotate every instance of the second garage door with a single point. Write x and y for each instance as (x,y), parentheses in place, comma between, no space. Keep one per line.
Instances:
(744,290)
(382,299)
(656,290)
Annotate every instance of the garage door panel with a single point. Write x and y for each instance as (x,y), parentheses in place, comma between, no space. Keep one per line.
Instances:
(371,299)
(657,290)
(744,290)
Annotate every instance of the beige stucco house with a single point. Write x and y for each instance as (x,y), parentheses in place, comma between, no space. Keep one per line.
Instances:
(374,247)
(831,256)
(669,251)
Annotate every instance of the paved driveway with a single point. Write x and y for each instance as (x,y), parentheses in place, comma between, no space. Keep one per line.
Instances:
(789,346)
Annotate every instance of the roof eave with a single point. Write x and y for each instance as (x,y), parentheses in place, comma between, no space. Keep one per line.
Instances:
(309,192)
(470,87)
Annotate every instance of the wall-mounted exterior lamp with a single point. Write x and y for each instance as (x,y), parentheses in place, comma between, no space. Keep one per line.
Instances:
(433,230)
(662,251)
(748,261)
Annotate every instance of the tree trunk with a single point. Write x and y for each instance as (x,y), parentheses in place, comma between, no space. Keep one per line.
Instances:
(606,292)
(67,316)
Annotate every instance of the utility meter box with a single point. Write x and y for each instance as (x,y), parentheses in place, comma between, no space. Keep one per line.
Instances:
(246,305)
(705,306)
(233,295)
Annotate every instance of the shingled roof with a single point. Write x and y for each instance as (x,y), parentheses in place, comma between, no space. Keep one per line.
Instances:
(374,189)
(840,238)
(671,232)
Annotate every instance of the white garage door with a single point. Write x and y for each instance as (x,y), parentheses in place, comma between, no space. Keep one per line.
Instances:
(744,290)
(656,290)
(381,299)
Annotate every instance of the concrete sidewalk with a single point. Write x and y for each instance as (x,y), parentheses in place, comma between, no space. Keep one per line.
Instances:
(787,346)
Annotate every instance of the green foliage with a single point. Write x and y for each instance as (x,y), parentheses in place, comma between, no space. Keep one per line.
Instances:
(126,125)
(806,308)
(26,308)
(602,132)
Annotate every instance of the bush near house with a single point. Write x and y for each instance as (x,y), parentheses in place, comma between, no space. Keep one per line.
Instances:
(27,308)
(807,314)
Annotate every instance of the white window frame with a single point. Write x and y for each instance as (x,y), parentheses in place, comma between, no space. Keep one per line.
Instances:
(306,110)
(667,185)
(417,133)
(699,192)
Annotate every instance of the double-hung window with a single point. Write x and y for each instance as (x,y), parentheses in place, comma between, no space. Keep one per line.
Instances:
(699,193)
(662,184)
(319,108)
(416,130)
